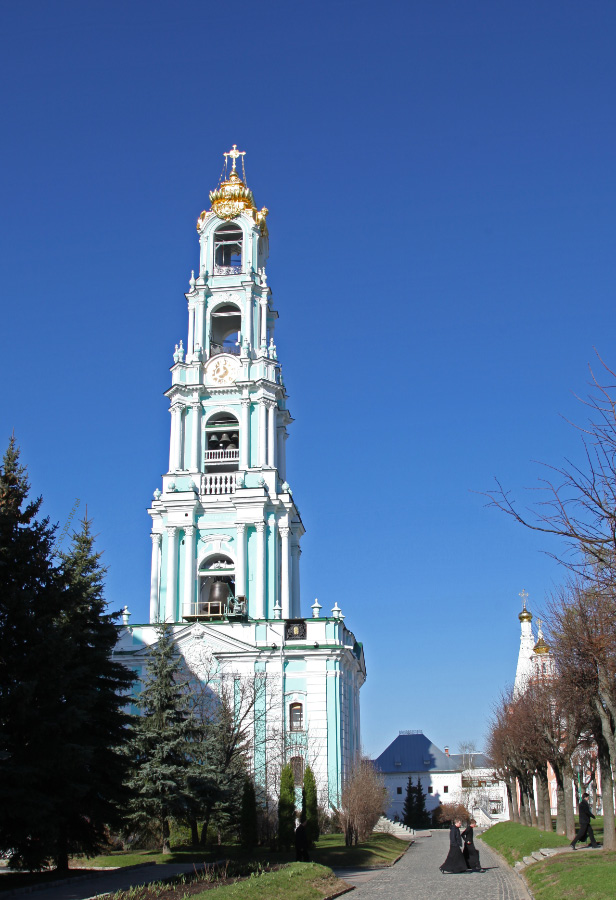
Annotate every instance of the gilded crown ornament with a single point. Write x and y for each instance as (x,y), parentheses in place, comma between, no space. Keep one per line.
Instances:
(232,196)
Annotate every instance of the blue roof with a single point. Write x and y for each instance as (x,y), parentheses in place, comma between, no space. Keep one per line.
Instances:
(415,753)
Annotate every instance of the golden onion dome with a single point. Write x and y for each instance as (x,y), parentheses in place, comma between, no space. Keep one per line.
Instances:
(541,646)
(231,198)
(525,615)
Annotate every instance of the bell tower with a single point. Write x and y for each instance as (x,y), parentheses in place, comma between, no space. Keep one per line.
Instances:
(225,529)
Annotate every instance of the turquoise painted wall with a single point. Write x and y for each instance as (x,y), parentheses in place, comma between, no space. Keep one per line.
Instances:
(334,760)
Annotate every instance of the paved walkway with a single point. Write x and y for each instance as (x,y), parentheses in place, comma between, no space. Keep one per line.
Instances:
(116,880)
(417,877)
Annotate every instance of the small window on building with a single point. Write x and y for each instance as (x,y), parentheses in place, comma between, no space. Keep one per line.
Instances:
(297,764)
(398,790)
(445,790)
(296,717)
(430,789)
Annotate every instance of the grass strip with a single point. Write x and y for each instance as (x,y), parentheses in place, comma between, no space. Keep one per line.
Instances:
(297,881)
(574,875)
(513,841)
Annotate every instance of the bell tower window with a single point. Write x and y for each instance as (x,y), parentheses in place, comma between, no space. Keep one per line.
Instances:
(296,717)
(225,328)
(228,241)
(222,436)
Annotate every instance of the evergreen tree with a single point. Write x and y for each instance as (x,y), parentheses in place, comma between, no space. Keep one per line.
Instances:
(32,701)
(286,807)
(160,741)
(310,807)
(248,818)
(92,773)
(409,810)
(422,818)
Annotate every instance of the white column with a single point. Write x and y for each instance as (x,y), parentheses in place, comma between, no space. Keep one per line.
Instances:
(189,569)
(263,325)
(199,337)
(154,577)
(271,430)
(172,572)
(240,561)
(260,575)
(247,323)
(190,349)
(262,434)
(196,431)
(295,600)
(245,434)
(285,597)
(176,437)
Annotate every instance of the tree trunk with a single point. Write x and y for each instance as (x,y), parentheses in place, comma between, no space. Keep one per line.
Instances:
(166,843)
(607,795)
(514,809)
(205,826)
(560,803)
(524,811)
(540,796)
(545,789)
(194,832)
(61,854)
(568,798)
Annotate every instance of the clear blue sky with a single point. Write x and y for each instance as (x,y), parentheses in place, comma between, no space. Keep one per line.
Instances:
(442,193)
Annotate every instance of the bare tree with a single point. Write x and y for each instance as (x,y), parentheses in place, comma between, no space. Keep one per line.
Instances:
(362,801)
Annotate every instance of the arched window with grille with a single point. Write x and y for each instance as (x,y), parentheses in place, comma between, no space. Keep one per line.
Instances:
(297,764)
(296,717)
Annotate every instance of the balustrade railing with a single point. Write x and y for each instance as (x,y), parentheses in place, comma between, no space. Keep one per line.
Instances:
(218,484)
(214,609)
(222,455)
(217,349)
(227,270)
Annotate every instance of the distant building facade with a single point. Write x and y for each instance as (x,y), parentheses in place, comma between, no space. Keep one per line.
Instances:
(445,778)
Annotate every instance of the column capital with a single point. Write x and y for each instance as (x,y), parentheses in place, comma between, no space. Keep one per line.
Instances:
(156,537)
(260,526)
(195,404)
(284,530)
(269,404)
(171,530)
(176,406)
(189,530)
(241,527)
(245,401)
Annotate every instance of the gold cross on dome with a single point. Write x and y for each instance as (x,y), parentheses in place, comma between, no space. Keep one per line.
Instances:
(523,594)
(234,153)
(539,624)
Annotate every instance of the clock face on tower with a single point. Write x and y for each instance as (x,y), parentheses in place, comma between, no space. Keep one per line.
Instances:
(221,370)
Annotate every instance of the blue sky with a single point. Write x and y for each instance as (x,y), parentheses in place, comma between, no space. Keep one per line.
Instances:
(441,185)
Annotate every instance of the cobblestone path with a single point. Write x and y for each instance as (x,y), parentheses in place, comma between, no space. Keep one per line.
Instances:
(417,877)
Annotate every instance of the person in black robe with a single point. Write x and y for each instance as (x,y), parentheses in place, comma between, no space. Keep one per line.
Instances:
(301,842)
(585,826)
(455,861)
(471,854)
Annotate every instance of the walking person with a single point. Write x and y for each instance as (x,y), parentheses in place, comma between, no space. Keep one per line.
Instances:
(470,852)
(585,826)
(455,861)
(301,842)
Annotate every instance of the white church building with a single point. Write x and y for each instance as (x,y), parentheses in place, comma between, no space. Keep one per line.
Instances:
(226,530)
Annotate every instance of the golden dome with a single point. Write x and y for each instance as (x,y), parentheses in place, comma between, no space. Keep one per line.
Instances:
(541,646)
(525,615)
(231,198)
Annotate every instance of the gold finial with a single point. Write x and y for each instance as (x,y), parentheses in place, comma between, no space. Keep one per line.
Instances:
(234,153)
(539,624)
(525,615)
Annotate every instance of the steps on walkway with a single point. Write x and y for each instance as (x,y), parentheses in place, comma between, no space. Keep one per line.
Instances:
(386,826)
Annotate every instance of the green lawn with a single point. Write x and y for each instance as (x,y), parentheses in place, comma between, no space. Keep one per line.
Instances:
(297,881)
(513,841)
(574,875)
(379,850)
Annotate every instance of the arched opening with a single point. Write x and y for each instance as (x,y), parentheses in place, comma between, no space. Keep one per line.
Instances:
(222,442)
(216,587)
(297,765)
(228,241)
(225,329)
(296,717)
